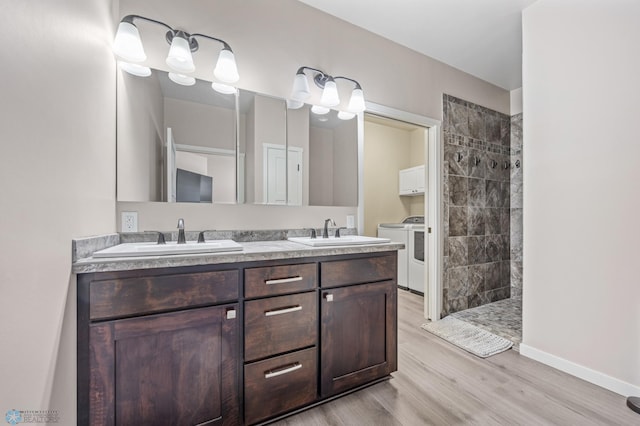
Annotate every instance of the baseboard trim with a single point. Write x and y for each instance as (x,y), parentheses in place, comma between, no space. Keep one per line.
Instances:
(592,376)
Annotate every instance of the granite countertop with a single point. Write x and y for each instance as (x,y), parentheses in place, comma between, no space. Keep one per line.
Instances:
(252,251)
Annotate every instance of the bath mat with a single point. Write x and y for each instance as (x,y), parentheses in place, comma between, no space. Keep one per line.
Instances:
(468,337)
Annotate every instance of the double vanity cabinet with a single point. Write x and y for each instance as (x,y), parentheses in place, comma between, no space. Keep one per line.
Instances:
(242,342)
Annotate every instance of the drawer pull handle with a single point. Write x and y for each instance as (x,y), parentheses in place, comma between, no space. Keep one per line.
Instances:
(283,280)
(287,369)
(283,311)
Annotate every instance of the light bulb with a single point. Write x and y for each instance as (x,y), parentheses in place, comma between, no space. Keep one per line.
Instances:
(320,110)
(330,93)
(356,103)
(226,69)
(179,58)
(291,104)
(184,80)
(127,44)
(135,69)
(300,91)
(225,89)
(344,115)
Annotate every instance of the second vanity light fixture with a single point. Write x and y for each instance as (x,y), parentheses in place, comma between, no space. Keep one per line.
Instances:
(128,48)
(330,98)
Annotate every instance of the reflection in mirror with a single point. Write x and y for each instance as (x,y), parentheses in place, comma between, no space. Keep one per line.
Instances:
(262,144)
(175,142)
(333,159)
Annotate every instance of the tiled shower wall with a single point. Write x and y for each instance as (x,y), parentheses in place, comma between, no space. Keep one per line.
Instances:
(516,205)
(477,172)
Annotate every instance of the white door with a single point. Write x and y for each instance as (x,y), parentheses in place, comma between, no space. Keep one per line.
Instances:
(276,176)
(170,165)
(295,177)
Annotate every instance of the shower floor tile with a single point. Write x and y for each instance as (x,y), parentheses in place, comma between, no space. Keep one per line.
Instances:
(503,318)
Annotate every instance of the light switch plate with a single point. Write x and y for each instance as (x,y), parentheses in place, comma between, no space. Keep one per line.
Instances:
(129,222)
(351,221)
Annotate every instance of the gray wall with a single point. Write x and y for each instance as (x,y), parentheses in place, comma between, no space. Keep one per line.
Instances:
(476,205)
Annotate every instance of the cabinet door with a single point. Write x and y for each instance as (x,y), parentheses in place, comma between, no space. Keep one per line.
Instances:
(420,179)
(178,368)
(407,180)
(358,335)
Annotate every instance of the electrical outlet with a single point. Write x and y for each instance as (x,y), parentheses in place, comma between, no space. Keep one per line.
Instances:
(351,221)
(129,221)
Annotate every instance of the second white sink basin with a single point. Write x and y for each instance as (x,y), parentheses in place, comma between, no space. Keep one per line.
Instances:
(347,240)
(171,247)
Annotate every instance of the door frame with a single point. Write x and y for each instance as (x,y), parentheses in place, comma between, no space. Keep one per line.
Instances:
(434,160)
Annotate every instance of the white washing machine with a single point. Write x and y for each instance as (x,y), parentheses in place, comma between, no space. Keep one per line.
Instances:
(402,233)
(416,258)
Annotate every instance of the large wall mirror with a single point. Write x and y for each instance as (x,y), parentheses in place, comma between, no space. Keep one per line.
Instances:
(179,143)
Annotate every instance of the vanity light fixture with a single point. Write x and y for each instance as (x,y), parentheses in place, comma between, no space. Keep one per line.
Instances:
(330,97)
(128,47)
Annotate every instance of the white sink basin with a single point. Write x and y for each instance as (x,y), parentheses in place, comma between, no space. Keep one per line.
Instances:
(171,247)
(347,240)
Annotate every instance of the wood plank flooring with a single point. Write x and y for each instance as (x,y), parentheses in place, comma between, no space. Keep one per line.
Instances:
(440,384)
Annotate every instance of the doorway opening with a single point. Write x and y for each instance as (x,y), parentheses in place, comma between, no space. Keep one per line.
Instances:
(402,176)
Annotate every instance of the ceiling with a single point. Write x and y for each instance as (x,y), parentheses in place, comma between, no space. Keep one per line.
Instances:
(480,37)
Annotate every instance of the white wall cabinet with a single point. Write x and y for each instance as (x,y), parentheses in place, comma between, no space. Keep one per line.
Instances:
(412,181)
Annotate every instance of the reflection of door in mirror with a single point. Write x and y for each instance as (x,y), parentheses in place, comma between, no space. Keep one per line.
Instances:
(333,160)
(280,179)
(202,122)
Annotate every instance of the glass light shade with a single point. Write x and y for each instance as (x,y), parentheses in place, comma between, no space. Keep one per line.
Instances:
(225,89)
(226,69)
(300,91)
(179,58)
(127,44)
(135,69)
(185,80)
(291,104)
(344,115)
(320,110)
(356,103)
(330,94)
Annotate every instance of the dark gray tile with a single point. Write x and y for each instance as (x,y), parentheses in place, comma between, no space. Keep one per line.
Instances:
(505,131)
(476,250)
(516,195)
(455,305)
(476,124)
(505,274)
(458,190)
(494,247)
(492,279)
(516,130)
(477,160)
(457,221)
(458,118)
(493,193)
(476,221)
(477,192)
(505,221)
(492,128)
(476,279)
(505,243)
(516,235)
(492,221)
(516,277)
(458,160)
(457,282)
(492,166)
(458,251)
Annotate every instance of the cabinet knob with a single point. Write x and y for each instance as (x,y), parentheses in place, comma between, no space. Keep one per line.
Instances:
(231,314)
(328,297)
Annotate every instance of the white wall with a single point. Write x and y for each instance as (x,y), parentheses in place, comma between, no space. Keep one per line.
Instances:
(516,101)
(581,83)
(57,182)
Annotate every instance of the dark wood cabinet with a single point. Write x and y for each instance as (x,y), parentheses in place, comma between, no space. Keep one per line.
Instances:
(232,344)
(358,335)
(168,369)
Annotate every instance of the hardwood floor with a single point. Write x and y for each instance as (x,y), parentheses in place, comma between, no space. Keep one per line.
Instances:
(440,384)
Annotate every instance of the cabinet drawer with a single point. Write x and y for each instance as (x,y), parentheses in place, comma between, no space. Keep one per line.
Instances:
(142,295)
(358,271)
(270,281)
(279,384)
(280,324)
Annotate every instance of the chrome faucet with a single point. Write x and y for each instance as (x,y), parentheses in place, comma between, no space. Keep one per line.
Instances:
(181,238)
(325,232)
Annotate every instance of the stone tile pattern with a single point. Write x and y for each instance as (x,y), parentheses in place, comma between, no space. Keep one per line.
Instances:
(503,318)
(516,205)
(477,173)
